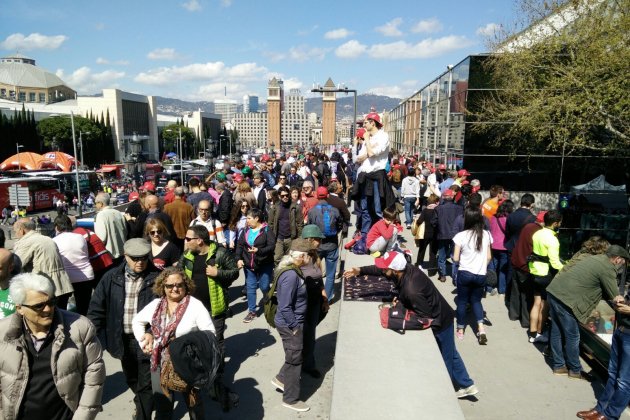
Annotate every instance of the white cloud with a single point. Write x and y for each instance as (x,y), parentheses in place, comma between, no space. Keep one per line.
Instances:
(292,83)
(34,41)
(105,61)
(226,3)
(424,49)
(404,90)
(427,26)
(390,28)
(83,80)
(274,56)
(351,49)
(303,53)
(162,54)
(338,33)
(216,71)
(305,32)
(489,30)
(192,5)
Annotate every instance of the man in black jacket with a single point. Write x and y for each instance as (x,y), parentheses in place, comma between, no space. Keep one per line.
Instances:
(122,292)
(517,219)
(226,201)
(417,293)
(285,221)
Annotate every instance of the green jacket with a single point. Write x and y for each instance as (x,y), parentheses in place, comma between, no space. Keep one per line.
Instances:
(580,286)
(227,273)
(545,244)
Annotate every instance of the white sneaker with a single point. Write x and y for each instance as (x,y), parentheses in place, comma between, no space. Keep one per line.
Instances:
(276,382)
(297,406)
(467,392)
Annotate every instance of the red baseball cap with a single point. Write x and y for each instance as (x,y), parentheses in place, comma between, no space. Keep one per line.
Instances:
(148,186)
(393,260)
(463,172)
(133,196)
(540,217)
(374,117)
(322,192)
(360,132)
(448,193)
(442,166)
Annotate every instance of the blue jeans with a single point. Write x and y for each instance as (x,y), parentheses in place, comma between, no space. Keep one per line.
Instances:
(445,250)
(470,289)
(452,360)
(616,395)
(261,278)
(370,209)
(501,265)
(564,325)
(331,257)
(410,203)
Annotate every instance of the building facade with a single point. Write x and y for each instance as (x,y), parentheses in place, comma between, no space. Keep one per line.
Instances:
(252,129)
(22,81)
(250,103)
(227,109)
(295,126)
(275,98)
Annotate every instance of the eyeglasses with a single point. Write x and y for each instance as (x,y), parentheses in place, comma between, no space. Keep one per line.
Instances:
(174,285)
(39,307)
(155,232)
(284,195)
(203,210)
(187,239)
(244,206)
(139,259)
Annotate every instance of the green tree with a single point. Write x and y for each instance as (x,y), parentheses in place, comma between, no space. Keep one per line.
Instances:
(170,134)
(56,133)
(562,84)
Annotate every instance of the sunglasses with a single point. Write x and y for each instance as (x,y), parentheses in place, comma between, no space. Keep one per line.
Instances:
(244,206)
(155,232)
(284,195)
(283,177)
(174,285)
(187,239)
(39,307)
(139,259)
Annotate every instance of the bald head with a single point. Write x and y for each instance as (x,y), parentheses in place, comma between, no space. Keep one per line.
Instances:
(151,202)
(6,266)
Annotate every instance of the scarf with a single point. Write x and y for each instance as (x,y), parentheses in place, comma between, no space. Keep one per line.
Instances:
(163,332)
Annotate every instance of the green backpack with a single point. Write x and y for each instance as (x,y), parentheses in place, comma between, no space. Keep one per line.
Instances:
(271,300)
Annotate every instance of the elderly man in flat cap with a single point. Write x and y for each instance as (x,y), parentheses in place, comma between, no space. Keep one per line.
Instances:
(122,292)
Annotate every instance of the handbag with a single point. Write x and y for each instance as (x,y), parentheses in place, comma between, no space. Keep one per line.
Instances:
(170,380)
(417,229)
(397,317)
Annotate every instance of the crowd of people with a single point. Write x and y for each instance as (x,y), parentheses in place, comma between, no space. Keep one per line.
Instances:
(159,273)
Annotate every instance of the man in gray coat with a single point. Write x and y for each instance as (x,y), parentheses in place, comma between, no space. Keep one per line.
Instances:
(39,254)
(51,363)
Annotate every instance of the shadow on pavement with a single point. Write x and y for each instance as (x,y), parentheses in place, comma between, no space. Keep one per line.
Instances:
(115,385)
(325,346)
(242,346)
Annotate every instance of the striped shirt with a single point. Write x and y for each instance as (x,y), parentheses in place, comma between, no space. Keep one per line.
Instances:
(132,290)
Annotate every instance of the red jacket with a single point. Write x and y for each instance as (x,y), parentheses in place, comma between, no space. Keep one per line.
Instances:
(379,229)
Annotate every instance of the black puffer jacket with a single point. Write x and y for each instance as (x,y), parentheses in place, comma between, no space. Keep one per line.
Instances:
(266,244)
(108,303)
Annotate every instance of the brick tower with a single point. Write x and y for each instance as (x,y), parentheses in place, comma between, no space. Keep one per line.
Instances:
(275,96)
(329,115)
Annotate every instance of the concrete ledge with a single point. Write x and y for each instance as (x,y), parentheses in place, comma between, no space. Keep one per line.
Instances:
(382,374)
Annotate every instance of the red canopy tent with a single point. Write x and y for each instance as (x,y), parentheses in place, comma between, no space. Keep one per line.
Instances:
(57,160)
(24,160)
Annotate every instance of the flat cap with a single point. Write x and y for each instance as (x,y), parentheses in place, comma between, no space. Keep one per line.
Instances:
(137,247)
(617,251)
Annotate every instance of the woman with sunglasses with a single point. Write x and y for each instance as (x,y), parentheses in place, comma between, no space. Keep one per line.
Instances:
(173,314)
(164,253)
(238,223)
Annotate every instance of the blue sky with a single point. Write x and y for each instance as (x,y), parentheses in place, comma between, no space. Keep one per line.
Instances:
(197,49)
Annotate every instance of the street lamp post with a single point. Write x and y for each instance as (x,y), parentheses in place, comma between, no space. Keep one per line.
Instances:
(346,91)
(76,167)
(81,145)
(18,146)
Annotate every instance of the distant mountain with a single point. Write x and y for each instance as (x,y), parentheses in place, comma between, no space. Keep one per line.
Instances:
(345,105)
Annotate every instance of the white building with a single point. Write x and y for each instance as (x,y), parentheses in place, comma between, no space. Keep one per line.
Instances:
(252,129)
(227,109)
(295,124)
